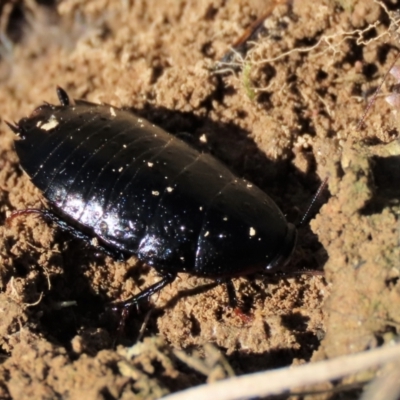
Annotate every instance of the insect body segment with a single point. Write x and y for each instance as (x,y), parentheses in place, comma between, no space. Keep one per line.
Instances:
(142,191)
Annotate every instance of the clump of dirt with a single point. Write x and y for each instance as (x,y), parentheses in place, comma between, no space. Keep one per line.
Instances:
(283,115)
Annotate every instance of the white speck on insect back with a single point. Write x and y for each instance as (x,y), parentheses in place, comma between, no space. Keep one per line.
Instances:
(252,231)
(112,112)
(49,125)
(155,193)
(169,189)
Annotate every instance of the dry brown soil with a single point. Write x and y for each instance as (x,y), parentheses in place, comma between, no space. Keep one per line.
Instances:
(283,116)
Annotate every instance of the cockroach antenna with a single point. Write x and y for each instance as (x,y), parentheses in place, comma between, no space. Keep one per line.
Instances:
(313,202)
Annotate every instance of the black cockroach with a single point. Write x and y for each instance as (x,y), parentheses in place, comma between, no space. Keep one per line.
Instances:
(109,174)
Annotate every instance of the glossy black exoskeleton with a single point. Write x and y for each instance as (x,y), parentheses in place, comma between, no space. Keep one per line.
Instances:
(111,175)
